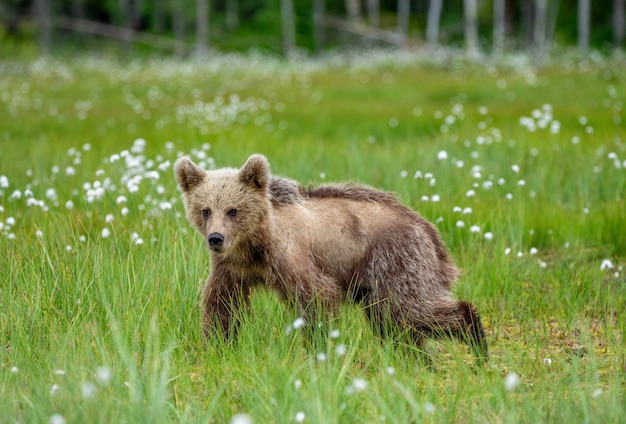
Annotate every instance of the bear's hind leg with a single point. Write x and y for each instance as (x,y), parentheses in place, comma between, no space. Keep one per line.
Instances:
(458,319)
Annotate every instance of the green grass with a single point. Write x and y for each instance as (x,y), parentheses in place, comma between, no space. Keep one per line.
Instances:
(105,329)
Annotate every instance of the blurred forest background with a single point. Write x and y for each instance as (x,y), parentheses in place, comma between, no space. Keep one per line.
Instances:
(196,27)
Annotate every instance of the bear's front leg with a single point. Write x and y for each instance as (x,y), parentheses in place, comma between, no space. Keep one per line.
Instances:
(223,298)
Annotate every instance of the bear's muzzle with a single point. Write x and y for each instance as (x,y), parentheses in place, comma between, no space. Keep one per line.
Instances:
(216,241)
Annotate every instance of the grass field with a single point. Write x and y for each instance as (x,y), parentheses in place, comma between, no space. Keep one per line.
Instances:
(522,170)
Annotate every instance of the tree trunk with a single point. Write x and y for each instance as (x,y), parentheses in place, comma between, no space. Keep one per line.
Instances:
(432,24)
(232,14)
(499,25)
(126,21)
(202,27)
(42,8)
(552,15)
(78,9)
(527,23)
(136,7)
(158,17)
(539,27)
(618,23)
(179,22)
(288,26)
(319,15)
(404,12)
(373,13)
(353,8)
(584,17)
(471,26)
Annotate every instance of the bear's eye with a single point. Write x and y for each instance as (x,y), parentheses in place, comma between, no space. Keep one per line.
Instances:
(232,212)
(206,213)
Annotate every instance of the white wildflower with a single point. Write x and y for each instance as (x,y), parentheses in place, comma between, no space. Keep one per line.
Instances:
(298,323)
(88,390)
(241,418)
(429,408)
(606,264)
(341,349)
(511,381)
(57,419)
(358,385)
(103,375)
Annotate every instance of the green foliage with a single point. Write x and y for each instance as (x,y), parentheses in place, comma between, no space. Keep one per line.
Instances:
(100,271)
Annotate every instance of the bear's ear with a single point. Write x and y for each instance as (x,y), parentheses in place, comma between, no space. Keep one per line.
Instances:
(188,174)
(255,172)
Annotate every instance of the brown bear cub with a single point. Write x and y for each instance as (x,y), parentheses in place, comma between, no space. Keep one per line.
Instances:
(317,247)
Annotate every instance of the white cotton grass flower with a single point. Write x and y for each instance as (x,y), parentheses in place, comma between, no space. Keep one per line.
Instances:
(69,204)
(300,417)
(511,381)
(88,390)
(59,371)
(297,384)
(358,385)
(103,375)
(241,418)
(596,393)
(109,218)
(39,233)
(14,370)
(57,419)
(321,357)
(106,232)
(4,181)
(390,370)
(606,264)
(533,251)
(341,349)
(488,236)
(460,224)
(54,389)
(136,239)
(547,361)
(474,229)
(298,323)
(335,334)
(442,155)
(429,408)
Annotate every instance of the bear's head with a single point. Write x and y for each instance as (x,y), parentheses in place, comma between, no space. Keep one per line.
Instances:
(228,206)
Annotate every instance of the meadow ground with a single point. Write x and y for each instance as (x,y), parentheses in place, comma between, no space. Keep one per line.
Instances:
(523,170)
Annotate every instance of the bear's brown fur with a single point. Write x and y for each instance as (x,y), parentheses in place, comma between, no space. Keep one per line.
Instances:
(319,246)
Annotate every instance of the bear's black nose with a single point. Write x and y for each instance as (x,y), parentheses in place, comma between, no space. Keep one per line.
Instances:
(216,240)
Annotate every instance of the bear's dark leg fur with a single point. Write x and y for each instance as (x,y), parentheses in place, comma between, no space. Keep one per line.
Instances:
(222,301)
